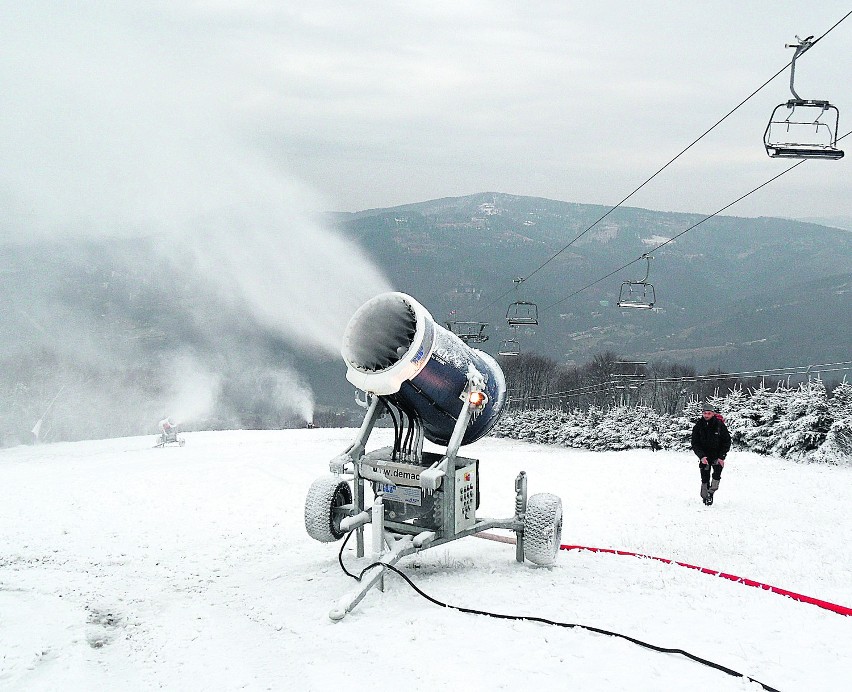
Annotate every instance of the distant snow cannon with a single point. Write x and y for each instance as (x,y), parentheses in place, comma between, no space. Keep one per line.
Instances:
(434,386)
(393,348)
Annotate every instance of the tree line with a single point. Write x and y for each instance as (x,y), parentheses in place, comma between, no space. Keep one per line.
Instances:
(609,380)
(802,422)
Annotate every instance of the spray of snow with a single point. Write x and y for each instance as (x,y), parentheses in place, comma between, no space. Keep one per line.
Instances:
(270,252)
(293,394)
(129,140)
(194,392)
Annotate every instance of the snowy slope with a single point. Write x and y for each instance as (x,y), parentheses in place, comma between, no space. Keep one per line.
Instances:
(133,568)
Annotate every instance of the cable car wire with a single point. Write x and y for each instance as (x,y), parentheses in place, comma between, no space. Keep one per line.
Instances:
(684,232)
(660,170)
(814,369)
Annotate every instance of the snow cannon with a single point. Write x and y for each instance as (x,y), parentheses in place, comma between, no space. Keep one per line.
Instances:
(432,386)
(394,348)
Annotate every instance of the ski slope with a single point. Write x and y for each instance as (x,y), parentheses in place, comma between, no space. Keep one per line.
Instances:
(128,567)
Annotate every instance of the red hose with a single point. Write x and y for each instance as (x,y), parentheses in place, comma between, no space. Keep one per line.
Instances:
(842,610)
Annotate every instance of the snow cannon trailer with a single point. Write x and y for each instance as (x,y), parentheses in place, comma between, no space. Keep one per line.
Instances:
(433,386)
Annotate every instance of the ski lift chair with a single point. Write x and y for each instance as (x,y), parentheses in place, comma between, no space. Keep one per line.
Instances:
(522,312)
(469,332)
(809,128)
(809,131)
(638,294)
(510,347)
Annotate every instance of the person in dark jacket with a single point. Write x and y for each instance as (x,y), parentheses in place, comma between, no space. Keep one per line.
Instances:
(711,443)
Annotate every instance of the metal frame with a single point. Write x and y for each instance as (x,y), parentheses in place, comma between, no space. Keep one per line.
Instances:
(510,347)
(803,150)
(164,440)
(469,332)
(521,312)
(821,122)
(649,295)
(391,540)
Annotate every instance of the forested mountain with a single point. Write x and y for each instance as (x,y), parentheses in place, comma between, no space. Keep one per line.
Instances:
(732,292)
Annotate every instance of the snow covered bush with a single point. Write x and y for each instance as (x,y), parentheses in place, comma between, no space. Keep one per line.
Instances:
(801,423)
(804,424)
(837,447)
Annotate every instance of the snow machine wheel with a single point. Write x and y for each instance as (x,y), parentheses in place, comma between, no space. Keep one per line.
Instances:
(542,528)
(325,495)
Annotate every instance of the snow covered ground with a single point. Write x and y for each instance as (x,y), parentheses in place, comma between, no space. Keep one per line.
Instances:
(133,568)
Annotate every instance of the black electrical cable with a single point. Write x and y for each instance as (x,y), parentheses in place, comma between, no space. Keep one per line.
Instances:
(340,557)
(545,621)
(397,436)
(405,410)
(660,170)
(409,435)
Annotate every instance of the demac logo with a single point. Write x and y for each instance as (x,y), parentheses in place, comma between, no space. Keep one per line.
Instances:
(425,345)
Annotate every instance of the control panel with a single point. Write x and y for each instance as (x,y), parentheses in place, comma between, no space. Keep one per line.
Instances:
(465,497)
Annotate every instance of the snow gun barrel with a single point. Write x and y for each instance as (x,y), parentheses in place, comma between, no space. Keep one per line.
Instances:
(392,347)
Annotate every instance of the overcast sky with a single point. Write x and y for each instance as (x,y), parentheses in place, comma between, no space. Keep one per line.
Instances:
(154,112)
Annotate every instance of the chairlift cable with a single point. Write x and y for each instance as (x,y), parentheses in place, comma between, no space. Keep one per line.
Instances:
(774,372)
(684,232)
(580,391)
(771,372)
(661,169)
(724,376)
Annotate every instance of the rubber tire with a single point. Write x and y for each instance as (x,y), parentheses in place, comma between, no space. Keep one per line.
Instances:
(543,528)
(324,496)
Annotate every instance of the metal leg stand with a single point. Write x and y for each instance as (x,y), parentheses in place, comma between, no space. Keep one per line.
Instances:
(353,455)
(520,511)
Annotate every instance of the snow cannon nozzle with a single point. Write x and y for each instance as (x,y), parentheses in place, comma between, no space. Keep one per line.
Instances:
(393,347)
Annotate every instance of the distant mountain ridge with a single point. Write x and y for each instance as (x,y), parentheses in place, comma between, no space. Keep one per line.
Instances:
(734,293)
(844,222)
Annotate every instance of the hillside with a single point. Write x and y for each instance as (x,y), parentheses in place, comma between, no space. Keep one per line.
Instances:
(189,568)
(731,293)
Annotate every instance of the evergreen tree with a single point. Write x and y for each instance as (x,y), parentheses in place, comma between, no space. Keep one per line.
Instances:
(837,447)
(732,409)
(805,422)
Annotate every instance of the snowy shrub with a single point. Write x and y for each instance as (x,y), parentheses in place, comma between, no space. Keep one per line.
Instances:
(801,423)
(806,421)
(733,408)
(840,403)
(837,447)
(758,421)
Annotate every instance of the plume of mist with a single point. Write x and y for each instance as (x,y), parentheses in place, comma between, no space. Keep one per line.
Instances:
(293,394)
(271,254)
(193,390)
(122,139)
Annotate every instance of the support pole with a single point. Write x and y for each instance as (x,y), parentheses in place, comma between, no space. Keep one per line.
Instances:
(520,512)
(378,534)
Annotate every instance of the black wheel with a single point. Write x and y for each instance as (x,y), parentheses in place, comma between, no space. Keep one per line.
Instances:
(322,518)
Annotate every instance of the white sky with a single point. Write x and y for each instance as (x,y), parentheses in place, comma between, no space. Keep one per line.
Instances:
(141,114)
